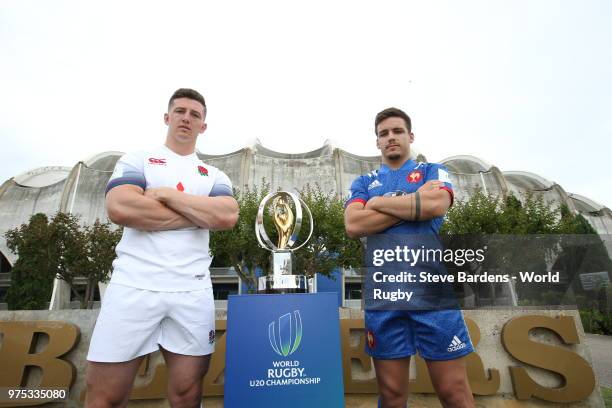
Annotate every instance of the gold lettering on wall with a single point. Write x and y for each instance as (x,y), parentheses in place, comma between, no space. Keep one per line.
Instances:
(18,352)
(20,344)
(357,353)
(480,382)
(579,379)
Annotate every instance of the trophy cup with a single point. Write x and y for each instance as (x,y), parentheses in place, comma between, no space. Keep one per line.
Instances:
(288,225)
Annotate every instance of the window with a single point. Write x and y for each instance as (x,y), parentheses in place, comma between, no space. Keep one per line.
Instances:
(352,291)
(5,266)
(221,291)
(81,291)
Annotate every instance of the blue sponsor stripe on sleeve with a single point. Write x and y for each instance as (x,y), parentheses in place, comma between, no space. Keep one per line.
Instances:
(221,190)
(140,182)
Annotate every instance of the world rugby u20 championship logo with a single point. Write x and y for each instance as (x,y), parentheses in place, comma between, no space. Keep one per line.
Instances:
(288,337)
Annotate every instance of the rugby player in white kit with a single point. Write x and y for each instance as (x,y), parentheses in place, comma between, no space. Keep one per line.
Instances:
(160,294)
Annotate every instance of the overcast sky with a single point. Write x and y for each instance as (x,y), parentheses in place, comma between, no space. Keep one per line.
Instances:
(523,85)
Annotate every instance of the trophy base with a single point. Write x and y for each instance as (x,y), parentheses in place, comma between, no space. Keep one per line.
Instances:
(283,284)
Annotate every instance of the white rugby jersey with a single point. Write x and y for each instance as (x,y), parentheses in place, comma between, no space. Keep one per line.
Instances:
(175,260)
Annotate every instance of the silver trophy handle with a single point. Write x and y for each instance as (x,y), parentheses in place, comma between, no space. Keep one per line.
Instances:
(260,232)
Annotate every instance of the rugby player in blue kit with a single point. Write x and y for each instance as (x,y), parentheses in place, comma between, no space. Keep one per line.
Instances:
(408,197)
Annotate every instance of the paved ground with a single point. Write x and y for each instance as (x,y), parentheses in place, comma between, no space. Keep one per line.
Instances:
(601,352)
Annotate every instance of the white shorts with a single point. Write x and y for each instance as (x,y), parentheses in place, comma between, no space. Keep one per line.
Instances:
(132,322)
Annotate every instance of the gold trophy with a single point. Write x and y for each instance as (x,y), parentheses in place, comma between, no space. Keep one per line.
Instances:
(288,225)
(283,220)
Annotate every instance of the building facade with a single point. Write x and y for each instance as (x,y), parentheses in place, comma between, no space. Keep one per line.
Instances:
(80,190)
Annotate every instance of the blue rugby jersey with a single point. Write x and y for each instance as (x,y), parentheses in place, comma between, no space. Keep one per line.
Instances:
(407,179)
(434,334)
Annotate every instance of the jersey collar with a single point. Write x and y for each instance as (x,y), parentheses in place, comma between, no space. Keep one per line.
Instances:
(408,165)
(174,154)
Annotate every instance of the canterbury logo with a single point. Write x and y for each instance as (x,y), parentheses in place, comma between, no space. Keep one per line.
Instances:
(153,160)
(286,338)
(456,344)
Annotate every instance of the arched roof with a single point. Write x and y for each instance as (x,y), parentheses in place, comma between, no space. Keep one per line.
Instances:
(42,176)
(584,204)
(205,156)
(466,164)
(324,150)
(103,161)
(527,180)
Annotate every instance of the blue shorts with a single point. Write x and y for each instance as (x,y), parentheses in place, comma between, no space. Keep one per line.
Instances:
(434,334)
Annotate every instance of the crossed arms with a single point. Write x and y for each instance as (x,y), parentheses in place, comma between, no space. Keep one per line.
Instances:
(380,213)
(160,209)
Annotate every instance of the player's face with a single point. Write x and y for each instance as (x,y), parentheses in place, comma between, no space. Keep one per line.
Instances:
(393,139)
(185,120)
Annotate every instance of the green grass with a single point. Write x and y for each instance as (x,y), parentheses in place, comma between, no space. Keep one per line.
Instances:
(607,396)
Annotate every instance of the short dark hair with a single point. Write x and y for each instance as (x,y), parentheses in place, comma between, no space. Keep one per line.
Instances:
(392,113)
(187,93)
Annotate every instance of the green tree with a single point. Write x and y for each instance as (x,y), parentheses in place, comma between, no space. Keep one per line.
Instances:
(570,223)
(33,272)
(487,214)
(537,233)
(58,248)
(477,215)
(70,247)
(583,251)
(329,246)
(238,247)
(101,239)
(84,252)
